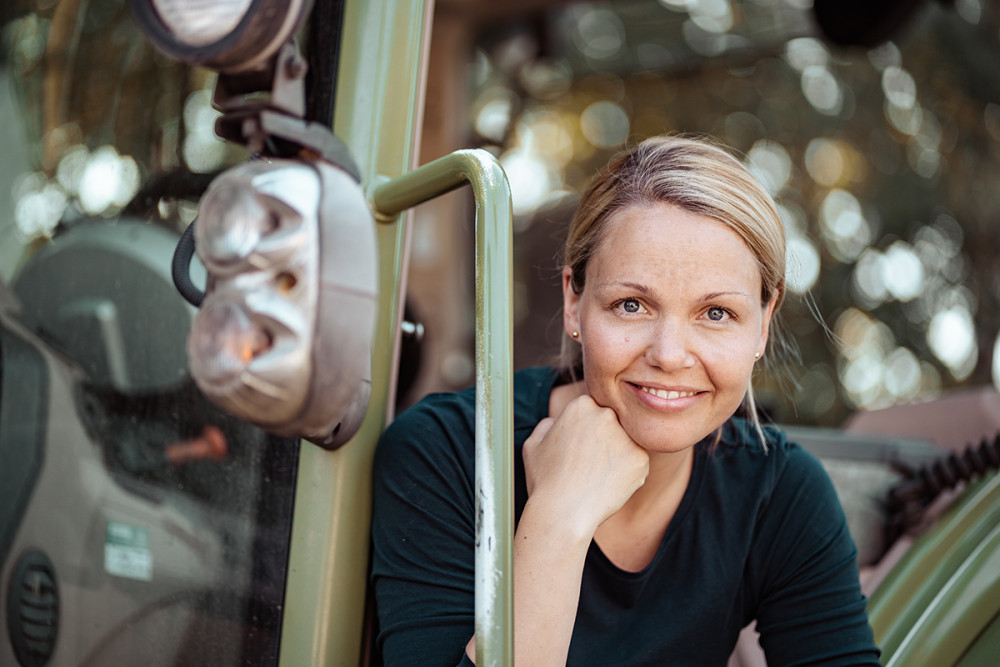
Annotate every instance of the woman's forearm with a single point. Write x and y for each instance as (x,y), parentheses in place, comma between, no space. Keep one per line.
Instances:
(580,469)
(549,555)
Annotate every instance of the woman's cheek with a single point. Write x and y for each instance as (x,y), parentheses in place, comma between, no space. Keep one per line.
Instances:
(728,367)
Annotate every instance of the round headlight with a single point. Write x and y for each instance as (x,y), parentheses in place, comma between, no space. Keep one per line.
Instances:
(198,23)
(224,35)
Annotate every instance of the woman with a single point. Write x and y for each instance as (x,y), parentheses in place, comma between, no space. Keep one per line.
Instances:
(652,524)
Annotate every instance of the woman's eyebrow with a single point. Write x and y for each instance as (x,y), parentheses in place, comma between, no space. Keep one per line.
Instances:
(711,296)
(646,291)
(642,289)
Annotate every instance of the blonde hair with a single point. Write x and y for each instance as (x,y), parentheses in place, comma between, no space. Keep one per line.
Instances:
(698,176)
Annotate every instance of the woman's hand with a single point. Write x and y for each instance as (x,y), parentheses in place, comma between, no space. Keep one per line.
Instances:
(583,465)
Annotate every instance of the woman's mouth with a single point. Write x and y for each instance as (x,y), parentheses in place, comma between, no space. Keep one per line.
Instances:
(668,394)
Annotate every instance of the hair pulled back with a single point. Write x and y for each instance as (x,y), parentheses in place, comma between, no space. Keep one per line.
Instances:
(694,174)
(698,176)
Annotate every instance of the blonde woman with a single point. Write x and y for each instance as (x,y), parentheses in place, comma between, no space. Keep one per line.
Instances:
(652,524)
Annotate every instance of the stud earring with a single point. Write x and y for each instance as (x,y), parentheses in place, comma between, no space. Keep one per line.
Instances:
(757,356)
(575,334)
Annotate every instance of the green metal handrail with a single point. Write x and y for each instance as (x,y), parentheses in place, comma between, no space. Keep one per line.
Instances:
(494,368)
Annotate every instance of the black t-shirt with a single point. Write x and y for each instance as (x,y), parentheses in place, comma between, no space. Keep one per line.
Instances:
(757,536)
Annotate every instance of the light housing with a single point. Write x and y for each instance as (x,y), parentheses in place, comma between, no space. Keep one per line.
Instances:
(283,336)
(225,35)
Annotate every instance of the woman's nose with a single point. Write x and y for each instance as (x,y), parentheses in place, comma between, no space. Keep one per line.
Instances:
(669,345)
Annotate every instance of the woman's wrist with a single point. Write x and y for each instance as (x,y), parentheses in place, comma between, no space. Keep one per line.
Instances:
(556,522)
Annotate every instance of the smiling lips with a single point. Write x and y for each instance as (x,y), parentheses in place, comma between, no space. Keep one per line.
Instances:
(669,395)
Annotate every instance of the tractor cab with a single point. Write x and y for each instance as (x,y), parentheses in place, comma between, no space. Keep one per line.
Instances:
(229,256)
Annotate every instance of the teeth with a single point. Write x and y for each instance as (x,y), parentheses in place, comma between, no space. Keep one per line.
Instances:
(662,393)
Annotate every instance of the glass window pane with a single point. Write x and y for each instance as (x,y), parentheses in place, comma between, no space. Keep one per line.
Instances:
(158,525)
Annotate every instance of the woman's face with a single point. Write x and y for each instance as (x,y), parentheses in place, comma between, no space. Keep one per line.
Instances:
(670,321)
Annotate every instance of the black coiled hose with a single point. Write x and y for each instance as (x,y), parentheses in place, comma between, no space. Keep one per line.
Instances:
(909,499)
(180,268)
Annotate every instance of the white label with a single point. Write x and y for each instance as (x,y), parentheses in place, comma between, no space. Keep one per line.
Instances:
(127,553)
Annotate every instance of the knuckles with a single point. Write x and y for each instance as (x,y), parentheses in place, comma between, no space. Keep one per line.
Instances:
(584,407)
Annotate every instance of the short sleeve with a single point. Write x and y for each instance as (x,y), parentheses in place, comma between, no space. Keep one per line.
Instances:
(810,606)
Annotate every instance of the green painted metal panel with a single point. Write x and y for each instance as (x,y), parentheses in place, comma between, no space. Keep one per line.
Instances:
(944,591)
(378,114)
(986,648)
(958,613)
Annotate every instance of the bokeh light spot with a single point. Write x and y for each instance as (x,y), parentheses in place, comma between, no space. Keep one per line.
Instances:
(605,124)
(803,265)
(868,278)
(951,335)
(770,163)
(845,229)
(203,151)
(493,118)
(995,366)
(899,87)
(712,15)
(108,180)
(907,120)
(599,33)
(902,271)
(822,90)
(36,214)
(824,162)
(530,180)
(804,52)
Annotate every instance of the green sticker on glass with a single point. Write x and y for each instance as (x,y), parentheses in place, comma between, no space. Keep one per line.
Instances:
(126,551)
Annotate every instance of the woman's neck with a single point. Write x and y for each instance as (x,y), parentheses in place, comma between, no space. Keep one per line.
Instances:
(661,494)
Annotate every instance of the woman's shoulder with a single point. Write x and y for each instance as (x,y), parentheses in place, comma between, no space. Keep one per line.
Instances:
(766,464)
(531,387)
(449,417)
(741,436)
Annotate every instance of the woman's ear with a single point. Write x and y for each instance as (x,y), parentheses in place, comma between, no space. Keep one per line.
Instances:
(765,325)
(571,304)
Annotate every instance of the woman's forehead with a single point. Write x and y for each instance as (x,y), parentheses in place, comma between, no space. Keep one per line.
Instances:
(664,227)
(664,241)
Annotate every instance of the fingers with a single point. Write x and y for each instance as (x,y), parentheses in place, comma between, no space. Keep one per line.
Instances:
(541,429)
(584,464)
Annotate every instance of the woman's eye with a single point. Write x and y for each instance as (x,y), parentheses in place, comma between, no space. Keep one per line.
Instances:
(631,306)
(717,314)
(628,306)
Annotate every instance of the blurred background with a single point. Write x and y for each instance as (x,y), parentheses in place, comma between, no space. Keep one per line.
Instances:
(884,157)
(884,160)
